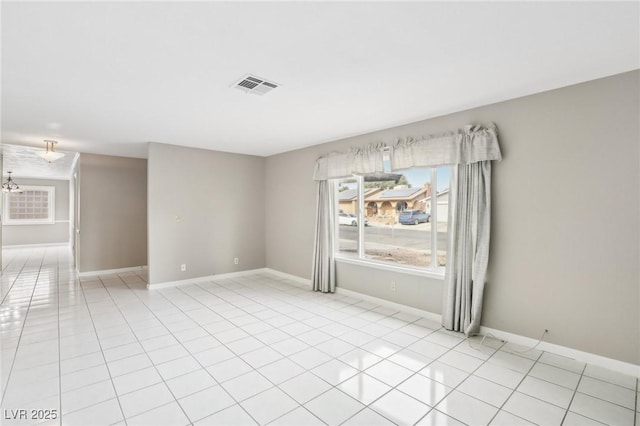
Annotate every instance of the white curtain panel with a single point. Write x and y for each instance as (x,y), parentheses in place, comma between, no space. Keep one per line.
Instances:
(324,266)
(368,160)
(358,161)
(464,146)
(335,165)
(468,252)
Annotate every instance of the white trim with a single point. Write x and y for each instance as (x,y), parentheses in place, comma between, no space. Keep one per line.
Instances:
(51,207)
(205,278)
(361,219)
(300,280)
(36,224)
(14,246)
(590,358)
(73,166)
(112,271)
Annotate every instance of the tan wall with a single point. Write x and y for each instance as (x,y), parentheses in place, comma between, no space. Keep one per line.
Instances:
(113,212)
(348,206)
(1,206)
(219,199)
(558,260)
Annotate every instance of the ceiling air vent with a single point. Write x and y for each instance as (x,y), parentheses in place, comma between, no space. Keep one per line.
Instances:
(255,85)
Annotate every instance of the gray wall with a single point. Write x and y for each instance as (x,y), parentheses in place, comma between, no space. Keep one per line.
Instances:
(565,226)
(1,208)
(113,213)
(42,234)
(219,200)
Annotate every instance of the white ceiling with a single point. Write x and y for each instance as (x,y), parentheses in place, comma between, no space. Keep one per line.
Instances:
(108,77)
(24,162)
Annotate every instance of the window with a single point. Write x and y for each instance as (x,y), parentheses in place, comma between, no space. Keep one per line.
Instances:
(35,205)
(404,218)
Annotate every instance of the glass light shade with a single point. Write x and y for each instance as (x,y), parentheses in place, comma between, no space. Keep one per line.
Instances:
(13,190)
(50,156)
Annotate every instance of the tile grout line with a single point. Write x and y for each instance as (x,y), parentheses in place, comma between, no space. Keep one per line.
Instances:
(406,346)
(283,356)
(252,298)
(145,352)
(376,337)
(95,330)
(469,374)
(24,324)
(13,282)
(381,337)
(575,391)
(201,365)
(21,269)
(256,370)
(514,390)
(635,412)
(59,340)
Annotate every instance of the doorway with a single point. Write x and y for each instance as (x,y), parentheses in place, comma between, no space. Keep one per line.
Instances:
(42,208)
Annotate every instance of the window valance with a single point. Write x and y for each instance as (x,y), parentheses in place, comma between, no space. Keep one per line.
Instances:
(471,144)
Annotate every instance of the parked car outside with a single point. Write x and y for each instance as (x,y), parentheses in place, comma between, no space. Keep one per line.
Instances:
(350,219)
(414,217)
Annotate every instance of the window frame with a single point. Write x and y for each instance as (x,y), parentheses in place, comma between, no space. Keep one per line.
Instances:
(431,271)
(51,198)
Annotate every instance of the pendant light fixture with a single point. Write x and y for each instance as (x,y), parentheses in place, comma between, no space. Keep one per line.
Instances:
(10,185)
(50,155)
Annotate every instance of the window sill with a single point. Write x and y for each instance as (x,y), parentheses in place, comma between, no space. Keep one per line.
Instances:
(18,223)
(393,268)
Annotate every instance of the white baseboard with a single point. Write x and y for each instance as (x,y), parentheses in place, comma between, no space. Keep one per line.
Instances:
(578,355)
(112,271)
(590,358)
(167,284)
(300,280)
(18,246)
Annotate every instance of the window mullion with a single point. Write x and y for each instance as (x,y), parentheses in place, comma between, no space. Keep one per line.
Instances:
(336,213)
(434,218)
(360,217)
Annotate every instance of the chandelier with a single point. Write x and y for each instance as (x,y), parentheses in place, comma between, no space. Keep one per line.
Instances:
(10,185)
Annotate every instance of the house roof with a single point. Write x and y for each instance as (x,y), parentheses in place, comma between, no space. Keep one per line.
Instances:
(352,194)
(444,191)
(401,194)
(349,194)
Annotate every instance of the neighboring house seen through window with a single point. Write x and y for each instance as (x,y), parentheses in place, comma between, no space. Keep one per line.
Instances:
(405,218)
(35,205)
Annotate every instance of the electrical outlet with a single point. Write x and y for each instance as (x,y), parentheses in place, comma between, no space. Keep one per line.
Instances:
(183,267)
(236,260)
(393,286)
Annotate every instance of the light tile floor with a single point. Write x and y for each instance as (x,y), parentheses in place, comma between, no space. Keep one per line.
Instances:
(261,349)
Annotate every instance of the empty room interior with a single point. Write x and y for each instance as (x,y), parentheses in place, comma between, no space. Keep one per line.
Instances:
(320,213)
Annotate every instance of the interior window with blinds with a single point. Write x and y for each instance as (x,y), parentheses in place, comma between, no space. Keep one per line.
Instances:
(35,205)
